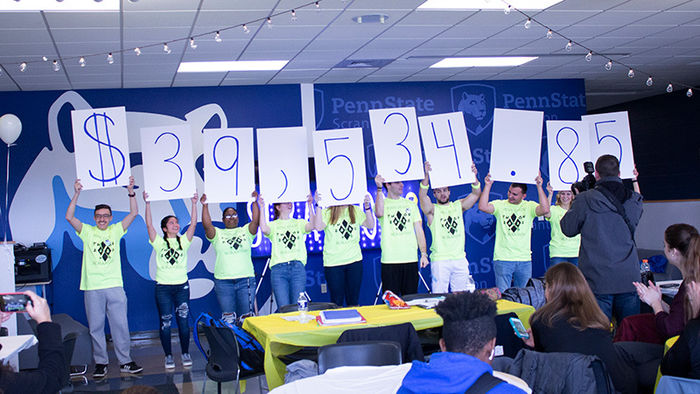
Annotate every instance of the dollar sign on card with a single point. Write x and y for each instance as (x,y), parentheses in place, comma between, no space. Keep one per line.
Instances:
(105,150)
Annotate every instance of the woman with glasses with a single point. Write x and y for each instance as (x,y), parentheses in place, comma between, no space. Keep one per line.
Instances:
(172,286)
(234,276)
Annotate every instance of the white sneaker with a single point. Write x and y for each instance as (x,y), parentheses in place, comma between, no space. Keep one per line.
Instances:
(186,360)
(169,362)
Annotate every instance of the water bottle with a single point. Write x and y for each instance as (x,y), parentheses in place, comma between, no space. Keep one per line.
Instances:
(302,307)
(645,271)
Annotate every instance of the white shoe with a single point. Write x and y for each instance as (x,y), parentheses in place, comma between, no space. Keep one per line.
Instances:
(186,360)
(169,362)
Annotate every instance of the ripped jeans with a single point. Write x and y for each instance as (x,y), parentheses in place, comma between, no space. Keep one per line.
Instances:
(169,299)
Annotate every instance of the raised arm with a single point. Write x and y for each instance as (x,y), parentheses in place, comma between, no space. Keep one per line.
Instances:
(469,201)
(70,212)
(379,199)
(209,228)
(550,192)
(319,225)
(635,180)
(263,216)
(543,207)
(312,213)
(425,204)
(193,218)
(484,204)
(255,218)
(422,245)
(149,218)
(369,219)
(133,206)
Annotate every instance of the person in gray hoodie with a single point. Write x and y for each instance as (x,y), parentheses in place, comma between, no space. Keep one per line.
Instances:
(606,217)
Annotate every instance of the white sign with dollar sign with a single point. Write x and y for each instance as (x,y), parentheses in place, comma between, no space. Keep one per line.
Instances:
(101,147)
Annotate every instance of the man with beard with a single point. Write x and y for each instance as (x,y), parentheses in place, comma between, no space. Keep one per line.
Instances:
(449,268)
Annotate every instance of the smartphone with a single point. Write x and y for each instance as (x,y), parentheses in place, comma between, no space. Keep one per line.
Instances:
(519,328)
(14,302)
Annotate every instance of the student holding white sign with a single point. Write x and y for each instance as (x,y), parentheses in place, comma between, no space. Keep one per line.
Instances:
(449,268)
(172,286)
(512,258)
(342,257)
(234,276)
(288,255)
(561,247)
(402,234)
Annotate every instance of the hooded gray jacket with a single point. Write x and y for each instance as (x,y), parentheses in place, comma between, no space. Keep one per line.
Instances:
(608,255)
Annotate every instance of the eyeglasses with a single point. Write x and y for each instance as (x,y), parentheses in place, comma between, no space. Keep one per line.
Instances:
(230,216)
(103,216)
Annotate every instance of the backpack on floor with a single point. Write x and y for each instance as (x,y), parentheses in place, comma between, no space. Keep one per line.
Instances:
(531,294)
(252,354)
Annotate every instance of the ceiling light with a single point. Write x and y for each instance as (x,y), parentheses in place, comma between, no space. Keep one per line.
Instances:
(294,15)
(246,30)
(498,61)
(569,46)
(138,51)
(56,67)
(689,93)
(528,23)
(630,73)
(371,18)
(669,88)
(608,65)
(650,81)
(166,48)
(110,58)
(223,66)
(44,58)
(487,5)
(81,61)
(549,34)
(192,44)
(55,5)
(589,56)
(23,67)
(217,37)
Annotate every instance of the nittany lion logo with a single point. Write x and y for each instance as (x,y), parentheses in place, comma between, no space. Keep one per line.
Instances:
(476,101)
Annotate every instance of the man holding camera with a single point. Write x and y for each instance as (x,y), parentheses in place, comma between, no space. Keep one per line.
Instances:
(606,216)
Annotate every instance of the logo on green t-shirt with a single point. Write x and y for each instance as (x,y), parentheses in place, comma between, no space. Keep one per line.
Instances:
(234,242)
(450,224)
(399,219)
(345,229)
(103,249)
(288,239)
(514,221)
(171,256)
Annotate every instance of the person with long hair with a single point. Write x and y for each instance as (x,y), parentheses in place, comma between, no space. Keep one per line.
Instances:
(288,256)
(683,358)
(561,247)
(571,321)
(680,248)
(342,256)
(172,286)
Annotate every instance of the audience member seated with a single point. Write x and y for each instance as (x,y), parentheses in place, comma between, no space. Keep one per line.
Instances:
(571,321)
(52,373)
(469,338)
(666,321)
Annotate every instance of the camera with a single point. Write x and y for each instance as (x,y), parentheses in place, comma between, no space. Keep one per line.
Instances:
(588,181)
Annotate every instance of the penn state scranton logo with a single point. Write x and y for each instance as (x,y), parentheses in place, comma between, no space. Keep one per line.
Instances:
(477,102)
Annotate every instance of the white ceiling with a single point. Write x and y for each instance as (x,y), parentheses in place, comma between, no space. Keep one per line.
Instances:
(656,37)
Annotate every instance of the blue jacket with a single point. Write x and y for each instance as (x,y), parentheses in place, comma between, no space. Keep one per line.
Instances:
(449,372)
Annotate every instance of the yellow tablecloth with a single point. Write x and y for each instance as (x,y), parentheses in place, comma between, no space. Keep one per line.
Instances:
(281,337)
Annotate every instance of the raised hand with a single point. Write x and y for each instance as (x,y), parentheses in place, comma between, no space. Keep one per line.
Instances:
(77,186)
(379,181)
(203,199)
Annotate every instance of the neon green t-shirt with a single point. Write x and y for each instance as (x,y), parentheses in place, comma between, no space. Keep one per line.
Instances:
(447,230)
(288,239)
(341,244)
(171,263)
(561,245)
(232,246)
(513,230)
(102,267)
(398,242)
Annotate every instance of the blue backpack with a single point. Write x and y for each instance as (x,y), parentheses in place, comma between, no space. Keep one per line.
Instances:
(251,353)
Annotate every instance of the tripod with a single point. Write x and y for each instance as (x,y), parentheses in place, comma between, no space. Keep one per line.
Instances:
(257,289)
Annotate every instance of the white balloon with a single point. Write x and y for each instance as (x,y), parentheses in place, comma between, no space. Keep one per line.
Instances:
(10,128)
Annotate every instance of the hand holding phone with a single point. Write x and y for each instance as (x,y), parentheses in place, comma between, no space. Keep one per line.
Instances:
(14,302)
(519,328)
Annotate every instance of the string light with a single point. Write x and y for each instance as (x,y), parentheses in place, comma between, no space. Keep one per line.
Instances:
(245,29)
(549,34)
(317,5)
(81,61)
(138,51)
(630,73)
(294,15)
(649,81)
(507,9)
(56,67)
(44,58)
(608,65)
(217,37)
(166,49)
(528,23)
(569,46)
(192,44)
(110,58)
(689,93)
(669,88)
(589,56)
(269,22)
(23,67)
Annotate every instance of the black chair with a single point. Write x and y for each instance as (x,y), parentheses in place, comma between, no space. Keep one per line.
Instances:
(370,353)
(313,306)
(404,334)
(223,364)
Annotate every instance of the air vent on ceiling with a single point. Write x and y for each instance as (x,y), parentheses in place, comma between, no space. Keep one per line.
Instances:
(363,63)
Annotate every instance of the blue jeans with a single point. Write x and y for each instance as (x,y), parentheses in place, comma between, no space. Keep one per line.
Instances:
(344,283)
(167,298)
(620,305)
(288,280)
(516,271)
(557,260)
(235,296)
